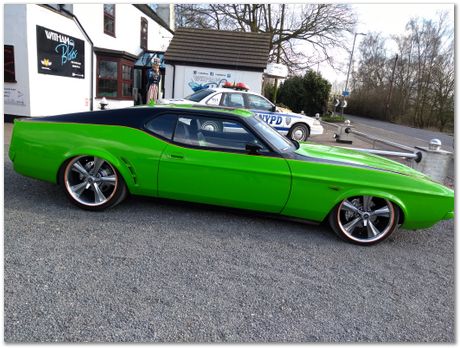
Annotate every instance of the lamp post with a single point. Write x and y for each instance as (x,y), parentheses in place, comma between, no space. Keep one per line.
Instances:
(351,59)
(275,93)
(349,69)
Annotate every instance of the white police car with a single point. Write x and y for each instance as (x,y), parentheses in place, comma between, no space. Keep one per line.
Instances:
(296,126)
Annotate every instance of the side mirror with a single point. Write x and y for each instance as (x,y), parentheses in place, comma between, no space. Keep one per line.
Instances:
(273,108)
(253,149)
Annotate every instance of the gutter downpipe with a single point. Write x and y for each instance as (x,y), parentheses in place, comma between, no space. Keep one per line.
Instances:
(91,106)
(174,80)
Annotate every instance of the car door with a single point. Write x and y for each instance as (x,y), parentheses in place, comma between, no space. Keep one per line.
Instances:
(213,166)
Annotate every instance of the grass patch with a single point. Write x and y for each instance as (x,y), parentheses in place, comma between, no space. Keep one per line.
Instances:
(333,118)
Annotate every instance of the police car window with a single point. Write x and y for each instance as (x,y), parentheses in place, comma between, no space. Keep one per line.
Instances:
(162,125)
(215,99)
(214,133)
(199,95)
(234,100)
(258,103)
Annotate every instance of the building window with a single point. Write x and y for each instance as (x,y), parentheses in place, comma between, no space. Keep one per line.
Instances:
(109,19)
(10,75)
(127,80)
(144,33)
(115,78)
(107,79)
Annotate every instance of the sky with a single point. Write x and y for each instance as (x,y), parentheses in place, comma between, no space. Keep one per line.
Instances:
(389,19)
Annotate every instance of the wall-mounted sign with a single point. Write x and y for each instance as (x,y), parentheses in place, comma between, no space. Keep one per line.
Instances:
(200,78)
(276,70)
(60,54)
(13,96)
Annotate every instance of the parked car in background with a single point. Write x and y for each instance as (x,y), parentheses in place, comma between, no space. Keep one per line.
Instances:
(296,126)
(164,151)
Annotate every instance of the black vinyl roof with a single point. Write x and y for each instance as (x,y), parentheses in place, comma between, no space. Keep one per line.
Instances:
(135,117)
(216,47)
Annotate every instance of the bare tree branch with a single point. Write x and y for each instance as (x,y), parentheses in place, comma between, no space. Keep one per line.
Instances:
(315,27)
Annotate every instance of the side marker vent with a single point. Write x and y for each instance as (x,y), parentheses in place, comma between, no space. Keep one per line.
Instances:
(131,169)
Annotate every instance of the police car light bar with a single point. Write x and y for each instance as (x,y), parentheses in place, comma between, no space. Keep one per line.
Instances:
(240,86)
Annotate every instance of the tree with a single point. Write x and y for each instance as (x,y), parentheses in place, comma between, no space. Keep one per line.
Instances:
(304,35)
(420,82)
(443,86)
(368,96)
(269,90)
(309,93)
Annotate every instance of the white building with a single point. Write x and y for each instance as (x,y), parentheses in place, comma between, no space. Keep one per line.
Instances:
(65,58)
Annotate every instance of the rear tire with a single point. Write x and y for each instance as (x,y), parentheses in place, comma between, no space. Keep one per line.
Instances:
(364,220)
(92,183)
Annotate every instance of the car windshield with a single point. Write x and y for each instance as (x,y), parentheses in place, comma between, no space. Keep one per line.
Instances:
(199,95)
(278,141)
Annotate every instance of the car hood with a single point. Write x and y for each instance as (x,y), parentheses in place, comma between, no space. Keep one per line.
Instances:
(331,154)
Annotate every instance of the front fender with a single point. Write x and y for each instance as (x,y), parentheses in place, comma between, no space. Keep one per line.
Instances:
(372,192)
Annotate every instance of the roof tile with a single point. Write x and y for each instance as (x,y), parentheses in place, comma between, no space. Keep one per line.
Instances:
(241,49)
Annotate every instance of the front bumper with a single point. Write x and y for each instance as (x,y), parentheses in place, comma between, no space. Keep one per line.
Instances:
(316,129)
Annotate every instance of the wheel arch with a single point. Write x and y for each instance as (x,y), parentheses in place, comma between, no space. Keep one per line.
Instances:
(118,163)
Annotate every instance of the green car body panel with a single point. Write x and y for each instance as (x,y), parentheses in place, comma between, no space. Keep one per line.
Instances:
(308,184)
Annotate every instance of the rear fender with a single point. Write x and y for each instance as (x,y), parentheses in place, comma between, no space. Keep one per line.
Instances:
(105,155)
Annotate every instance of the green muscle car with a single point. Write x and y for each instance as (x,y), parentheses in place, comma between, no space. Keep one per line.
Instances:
(226,157)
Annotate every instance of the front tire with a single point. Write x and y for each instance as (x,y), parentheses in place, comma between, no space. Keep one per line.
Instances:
(364,220)
(299,132)
(92,183)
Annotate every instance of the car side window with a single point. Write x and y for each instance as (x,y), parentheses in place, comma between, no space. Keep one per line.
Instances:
(258,103)
(215,99)
(162,125)
(234,100)
(214,133)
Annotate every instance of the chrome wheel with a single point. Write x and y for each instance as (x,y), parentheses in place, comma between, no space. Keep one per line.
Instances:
(299,132)
(365,219)
(90,181)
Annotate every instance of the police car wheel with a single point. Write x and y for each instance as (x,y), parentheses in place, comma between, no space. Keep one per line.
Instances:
(299,132)
(211,126)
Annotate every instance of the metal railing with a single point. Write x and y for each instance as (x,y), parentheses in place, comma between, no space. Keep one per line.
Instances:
(415,155)
(437,164)
(345,129)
